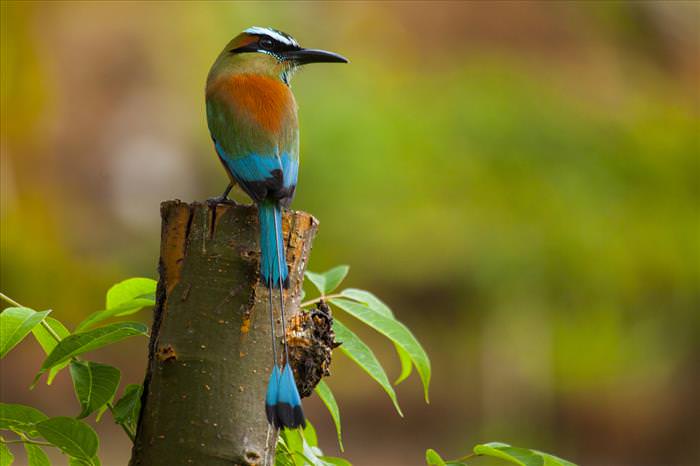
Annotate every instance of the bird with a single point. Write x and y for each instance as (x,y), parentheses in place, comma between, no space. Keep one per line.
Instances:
(252,119)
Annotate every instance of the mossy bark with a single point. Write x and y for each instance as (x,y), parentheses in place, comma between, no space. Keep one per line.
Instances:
(210,352)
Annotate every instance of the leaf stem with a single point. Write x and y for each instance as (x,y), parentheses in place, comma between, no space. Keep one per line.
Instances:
(462,458)
(43,321)
(130,433)
(10,300)
(26,440)
(50,330)
(321,298)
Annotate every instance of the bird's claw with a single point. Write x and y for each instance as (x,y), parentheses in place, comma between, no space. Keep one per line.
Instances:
(214,201)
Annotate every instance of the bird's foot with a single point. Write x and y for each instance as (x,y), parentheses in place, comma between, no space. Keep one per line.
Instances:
(214,201)
(223,199)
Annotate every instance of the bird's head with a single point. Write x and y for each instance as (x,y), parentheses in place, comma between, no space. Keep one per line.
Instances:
(268,51)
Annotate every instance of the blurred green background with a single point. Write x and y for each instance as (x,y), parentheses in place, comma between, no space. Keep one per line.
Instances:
(519,181)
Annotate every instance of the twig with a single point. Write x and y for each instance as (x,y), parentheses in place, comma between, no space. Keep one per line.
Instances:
(24,439)
(43,321)
(321,298)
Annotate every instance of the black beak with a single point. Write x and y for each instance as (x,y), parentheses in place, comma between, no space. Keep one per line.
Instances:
(305,56)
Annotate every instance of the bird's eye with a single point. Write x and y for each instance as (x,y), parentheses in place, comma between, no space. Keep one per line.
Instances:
(266,43)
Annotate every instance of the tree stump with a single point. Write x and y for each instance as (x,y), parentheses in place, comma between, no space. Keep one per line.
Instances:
(210,352)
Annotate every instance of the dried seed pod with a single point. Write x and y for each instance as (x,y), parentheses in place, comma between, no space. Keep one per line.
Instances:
(311,341)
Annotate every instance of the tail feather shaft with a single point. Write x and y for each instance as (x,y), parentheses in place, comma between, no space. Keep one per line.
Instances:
(273,268)
(282,401)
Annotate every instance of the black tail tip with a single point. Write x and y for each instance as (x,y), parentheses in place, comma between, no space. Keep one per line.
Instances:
(270,283)
(284,415)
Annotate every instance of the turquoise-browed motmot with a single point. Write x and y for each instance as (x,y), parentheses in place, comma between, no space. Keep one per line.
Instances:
(252,117)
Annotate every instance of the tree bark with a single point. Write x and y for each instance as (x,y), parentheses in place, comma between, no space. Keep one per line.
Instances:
(210,352)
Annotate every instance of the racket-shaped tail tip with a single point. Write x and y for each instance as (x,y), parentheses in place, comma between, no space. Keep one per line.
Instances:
(271,396)
(288,411)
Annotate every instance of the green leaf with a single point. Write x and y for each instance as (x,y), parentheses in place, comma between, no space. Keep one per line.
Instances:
(95,385)
(94,461)
(309,433)
(48,342)
(80,343)
(406,364)
(292,439)
(45,339)
(15,324)
(20,418)
(519,456)
(73,437)
(53,372)
(336,461)
(369,299)
(126,410)
(6,456)
(294,443)
(283,456)
(36,456)
(433,459)
(329,280)
(129,289)
(378,306)
(363,356)
(326,395)
(396,332)
(130,307)
(312,454)
(101,411)
(124,298)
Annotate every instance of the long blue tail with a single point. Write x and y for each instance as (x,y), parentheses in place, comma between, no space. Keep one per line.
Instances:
(270,215)
(282,401)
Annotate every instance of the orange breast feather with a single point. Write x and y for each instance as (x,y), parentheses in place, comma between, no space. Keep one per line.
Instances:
(264,99)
